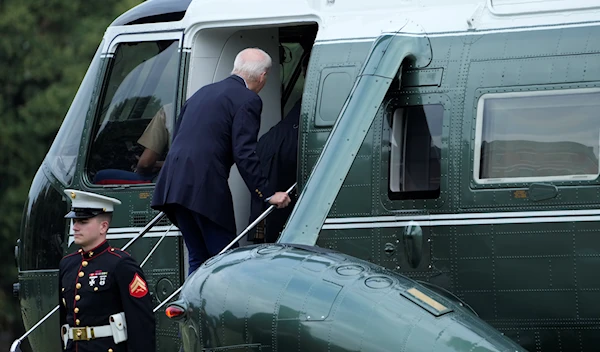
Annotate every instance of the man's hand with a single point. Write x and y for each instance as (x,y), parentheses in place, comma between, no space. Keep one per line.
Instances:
(280,199)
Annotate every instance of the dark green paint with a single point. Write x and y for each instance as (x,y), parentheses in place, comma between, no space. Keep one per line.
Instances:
(537,283)
(165,266)
(349,132)
(37,296)
(319,300)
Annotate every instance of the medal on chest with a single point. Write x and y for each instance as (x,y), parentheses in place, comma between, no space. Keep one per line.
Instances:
(97,277)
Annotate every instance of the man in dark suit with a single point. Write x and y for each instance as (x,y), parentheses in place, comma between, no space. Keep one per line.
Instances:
(218,126)
(277,151)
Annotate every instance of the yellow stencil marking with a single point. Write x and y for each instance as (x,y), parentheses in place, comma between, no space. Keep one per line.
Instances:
(430,301)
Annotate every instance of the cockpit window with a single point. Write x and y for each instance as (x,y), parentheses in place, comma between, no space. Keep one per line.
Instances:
(538,136)
(62,156)
(133,128)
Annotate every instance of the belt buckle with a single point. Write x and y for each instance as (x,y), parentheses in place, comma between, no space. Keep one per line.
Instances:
(80,334)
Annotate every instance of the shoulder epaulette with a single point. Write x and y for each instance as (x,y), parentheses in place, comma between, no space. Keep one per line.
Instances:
(72,254)
(119,251)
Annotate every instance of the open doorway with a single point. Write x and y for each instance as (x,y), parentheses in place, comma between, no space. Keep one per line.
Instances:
(211,60)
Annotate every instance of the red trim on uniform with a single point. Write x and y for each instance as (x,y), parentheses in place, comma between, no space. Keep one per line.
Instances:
(94,256)
(120,250)
(93,249)
(72,254)
(113,253)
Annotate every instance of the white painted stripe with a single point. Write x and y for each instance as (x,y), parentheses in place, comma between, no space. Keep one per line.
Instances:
(119,233)
(502,30)
(459,33)
(117,230)
(338,41)
(463,216)
(119,236)
(162,229)
(491,221)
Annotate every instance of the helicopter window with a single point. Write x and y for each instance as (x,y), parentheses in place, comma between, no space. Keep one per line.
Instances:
(62,157)
(538,136)
(133,128)
(415,157)
(335,86)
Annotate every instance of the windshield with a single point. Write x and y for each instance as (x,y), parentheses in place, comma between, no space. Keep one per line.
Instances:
(62,157)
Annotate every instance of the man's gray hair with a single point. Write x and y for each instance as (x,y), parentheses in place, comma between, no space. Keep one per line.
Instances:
(249,65)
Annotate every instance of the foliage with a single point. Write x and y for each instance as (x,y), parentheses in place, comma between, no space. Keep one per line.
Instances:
(45,49)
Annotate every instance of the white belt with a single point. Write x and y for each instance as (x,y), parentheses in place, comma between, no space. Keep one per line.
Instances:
(117,329)
(89,332)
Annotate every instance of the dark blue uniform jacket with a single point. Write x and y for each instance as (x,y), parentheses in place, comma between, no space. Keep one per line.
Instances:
(218,126)
(101,282)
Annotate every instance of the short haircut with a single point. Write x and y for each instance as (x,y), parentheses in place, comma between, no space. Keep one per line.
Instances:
(250,65)
(105,217)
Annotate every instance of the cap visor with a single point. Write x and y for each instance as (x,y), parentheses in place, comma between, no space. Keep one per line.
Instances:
(78,215)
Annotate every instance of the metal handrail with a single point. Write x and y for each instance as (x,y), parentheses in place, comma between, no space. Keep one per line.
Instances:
(156,245)
(145,230)
(235,240)
(17,342)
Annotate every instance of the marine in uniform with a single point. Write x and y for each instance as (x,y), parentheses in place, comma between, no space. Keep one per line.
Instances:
(105,304)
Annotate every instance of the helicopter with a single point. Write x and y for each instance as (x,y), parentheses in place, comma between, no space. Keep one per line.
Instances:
(447,174)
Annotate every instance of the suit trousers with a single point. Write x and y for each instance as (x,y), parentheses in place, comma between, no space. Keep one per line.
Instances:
(203,237)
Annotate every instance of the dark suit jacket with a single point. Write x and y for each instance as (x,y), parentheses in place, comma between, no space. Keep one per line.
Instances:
(218,126)
(277,150)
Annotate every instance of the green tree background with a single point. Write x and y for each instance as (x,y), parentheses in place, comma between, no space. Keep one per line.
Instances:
(45,49)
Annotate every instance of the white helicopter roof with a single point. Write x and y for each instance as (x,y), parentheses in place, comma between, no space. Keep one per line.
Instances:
(367,19)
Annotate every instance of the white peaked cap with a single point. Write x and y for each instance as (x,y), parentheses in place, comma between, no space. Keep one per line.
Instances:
(87,205)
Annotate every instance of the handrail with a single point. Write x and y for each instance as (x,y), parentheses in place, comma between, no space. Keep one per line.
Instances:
(17,342)
(156,245)
(235,240)
(353,123)
(145,230)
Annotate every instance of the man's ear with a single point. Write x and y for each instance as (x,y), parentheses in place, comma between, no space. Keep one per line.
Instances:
(104,226)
